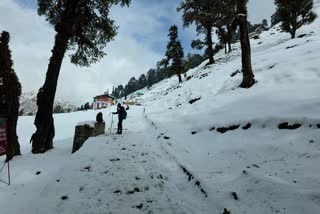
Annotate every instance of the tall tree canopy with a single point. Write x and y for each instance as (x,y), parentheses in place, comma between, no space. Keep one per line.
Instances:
(205,14)
(83,27)
(10,91)
(174,52)
(294,14)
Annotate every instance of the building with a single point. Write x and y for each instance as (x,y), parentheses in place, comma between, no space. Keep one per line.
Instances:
(103,101)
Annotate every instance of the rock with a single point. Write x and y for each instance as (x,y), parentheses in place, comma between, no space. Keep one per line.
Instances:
(136,189)
(64,197)
(290,127)
(235,196)
(225,129)
(194,100)
(235,73)
(225,211)
(139,206)
(246,127)
(86,130)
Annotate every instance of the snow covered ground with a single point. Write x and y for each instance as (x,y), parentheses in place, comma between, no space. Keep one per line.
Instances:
(225,150)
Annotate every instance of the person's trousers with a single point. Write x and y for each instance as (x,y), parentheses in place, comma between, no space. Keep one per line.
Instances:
(120,127)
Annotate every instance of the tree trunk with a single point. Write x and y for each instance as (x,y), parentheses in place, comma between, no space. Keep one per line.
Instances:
(248,76)
(225,48)
(209,46)
(42,139)
(293,31)
(180,78)
(14,146)
(229,37)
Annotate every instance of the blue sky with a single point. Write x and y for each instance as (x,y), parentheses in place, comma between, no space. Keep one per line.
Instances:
(139,45)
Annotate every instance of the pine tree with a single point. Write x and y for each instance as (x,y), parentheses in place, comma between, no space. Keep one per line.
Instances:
(192,61)
(223,37)
(294,14)
(142,81)
(82,26)
(264,24)
(174,52)
(151,77)
(120,91)
(228,13)
(241,20)
(275,19)
(205,14)
(132,85)
(10,91)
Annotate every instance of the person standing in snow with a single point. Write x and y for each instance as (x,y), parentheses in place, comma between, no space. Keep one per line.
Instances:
(121,112)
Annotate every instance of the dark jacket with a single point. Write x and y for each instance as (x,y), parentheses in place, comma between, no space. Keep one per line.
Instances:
(120,112)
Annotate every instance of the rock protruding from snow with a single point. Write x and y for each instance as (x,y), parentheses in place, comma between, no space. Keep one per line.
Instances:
(85,130)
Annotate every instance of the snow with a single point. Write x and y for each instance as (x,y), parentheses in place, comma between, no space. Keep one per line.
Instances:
(172,159)
(89,123)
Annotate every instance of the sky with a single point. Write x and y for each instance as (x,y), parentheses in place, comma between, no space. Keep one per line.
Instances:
(140,43)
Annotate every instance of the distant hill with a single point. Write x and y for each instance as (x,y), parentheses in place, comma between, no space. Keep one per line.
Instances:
(28,105)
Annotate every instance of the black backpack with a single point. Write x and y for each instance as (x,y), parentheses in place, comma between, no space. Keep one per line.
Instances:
(99,117)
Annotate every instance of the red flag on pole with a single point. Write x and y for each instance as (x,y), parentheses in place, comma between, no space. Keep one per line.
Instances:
(3,137)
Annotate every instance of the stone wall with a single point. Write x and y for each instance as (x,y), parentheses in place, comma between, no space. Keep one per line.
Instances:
(86,130)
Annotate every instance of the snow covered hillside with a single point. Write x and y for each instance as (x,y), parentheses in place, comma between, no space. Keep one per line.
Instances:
(272,168)
(196,147)
(28,104)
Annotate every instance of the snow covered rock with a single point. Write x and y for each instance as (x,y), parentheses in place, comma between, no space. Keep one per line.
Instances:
(85,130)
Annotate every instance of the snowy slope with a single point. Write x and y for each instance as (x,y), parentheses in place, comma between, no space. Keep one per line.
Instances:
(271,170)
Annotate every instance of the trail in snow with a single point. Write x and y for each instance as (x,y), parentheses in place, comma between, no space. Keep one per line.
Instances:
(126,173)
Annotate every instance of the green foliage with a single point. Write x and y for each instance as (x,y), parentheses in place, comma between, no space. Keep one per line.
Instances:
(205,14)
(294,14)
(86,23)
(142,81)
(10,91)
(10,87)
(174,53)
(275,19)
(151,77)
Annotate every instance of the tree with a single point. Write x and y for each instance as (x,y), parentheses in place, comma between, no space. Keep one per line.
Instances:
(275,19)
(151,77)
(241,20)
(132,85)
(174,52)
(192,61)
(223,37)
(10,91)
(228,13)
(120,91)
(205,14)
(82,26)
(142,81)
(264,24)
(294,14)
(86,106)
